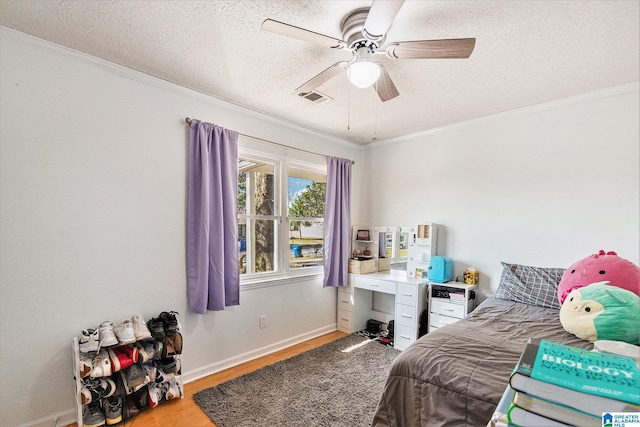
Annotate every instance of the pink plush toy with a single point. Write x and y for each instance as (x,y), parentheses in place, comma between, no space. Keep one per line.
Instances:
(597,268)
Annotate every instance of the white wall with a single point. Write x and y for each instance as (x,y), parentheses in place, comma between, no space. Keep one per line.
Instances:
(92,222)
(544,186)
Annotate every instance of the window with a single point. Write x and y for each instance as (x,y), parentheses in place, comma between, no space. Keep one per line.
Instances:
(280,216)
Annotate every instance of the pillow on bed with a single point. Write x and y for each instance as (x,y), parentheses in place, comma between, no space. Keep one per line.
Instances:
(530,285)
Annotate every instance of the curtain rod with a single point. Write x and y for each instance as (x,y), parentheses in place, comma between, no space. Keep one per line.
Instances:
(188,121)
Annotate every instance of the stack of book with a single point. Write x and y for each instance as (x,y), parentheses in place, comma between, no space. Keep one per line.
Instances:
(559,385)
(457,297)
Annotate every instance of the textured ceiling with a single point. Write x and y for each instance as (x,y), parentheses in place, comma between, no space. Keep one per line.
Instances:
(526,53)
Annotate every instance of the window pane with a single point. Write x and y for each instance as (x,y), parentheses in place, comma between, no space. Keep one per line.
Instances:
(256,246)
(306,193)
(255,187)
(305,244)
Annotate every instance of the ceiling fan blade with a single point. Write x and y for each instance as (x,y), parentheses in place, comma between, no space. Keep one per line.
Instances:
(380,18)
(384,86)
(432,49)
(301,34)
(323,77)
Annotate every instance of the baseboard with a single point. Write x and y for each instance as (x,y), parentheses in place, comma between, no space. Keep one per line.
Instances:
(213,368)
(60,419)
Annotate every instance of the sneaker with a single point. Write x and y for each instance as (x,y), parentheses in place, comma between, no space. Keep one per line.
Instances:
(156,393)
(167,347)
(170,321)
(129,409)
(157,328)
(143,355)
(158,347)
(151,372)
(89,340)
(140,329)
(95,389)
(135,375)
(141,398)
(107,337)
(173,391)
(168,366)
(177,342)
(86,364)
(101,366)
(124,332)
(92,416)
(122,357)
(113,410)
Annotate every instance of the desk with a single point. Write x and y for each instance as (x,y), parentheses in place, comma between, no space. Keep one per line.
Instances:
(357,304)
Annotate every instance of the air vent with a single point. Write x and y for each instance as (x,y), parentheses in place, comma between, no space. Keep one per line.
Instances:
(315,97)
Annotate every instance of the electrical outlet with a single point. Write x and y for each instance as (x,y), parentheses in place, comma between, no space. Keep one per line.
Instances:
(263,321)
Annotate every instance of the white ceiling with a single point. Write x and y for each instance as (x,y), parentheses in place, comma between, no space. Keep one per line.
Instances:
(526,53)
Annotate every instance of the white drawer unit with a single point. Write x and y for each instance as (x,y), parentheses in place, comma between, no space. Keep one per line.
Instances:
(345,301)
(403,336)
(376,285)
(438,320)
(384,297)
(406,315)
(443,309)
(407,294)
(446,308)
(345,321)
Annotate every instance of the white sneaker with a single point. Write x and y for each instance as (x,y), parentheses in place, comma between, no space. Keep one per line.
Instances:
(124,332)
(101,365)
(86,364)
(89,340)
(107,337)
(156,393)
(174,391)
(140,329)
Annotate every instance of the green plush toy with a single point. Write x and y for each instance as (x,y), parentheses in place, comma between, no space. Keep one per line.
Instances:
(602,312)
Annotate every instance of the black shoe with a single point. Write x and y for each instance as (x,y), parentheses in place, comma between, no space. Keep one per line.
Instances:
(170,322)
(113,410)
(156,327)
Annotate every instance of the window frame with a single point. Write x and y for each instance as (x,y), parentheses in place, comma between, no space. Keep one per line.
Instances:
(283,273)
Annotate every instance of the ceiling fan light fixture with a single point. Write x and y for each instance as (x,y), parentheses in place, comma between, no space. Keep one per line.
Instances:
(362,72)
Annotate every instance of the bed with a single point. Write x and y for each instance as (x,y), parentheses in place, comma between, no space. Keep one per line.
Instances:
(455,375)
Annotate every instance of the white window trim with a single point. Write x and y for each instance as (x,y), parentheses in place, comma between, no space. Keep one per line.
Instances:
(285,276)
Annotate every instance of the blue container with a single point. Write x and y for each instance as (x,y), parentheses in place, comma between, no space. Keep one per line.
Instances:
(440,269)
(297,251)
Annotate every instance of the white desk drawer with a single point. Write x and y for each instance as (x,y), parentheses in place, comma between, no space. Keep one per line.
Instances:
(407,294)
(345,320)
(345,301)
(405,315)
(438,320)
(446,308)
(403,336)
(375,285)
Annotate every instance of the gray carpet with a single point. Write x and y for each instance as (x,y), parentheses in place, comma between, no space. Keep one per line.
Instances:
(324,386)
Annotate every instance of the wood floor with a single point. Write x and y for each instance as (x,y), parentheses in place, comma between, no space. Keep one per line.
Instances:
(186,413)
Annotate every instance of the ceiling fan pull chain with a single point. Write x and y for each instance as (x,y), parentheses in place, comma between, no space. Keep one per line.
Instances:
(349,110)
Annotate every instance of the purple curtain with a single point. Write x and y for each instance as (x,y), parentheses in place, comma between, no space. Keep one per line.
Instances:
(337,222)
(213,277)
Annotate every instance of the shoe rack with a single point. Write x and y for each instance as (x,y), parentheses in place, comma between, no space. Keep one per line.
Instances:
(155,389)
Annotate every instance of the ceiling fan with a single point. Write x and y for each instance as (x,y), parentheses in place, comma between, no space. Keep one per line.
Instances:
(363,33)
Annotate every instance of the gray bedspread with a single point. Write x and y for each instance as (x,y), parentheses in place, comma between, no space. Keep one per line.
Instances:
(455,375)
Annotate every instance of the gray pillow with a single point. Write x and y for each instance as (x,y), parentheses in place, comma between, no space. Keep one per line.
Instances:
(530,285)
